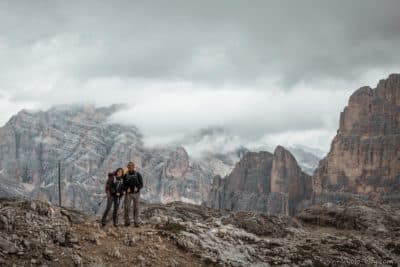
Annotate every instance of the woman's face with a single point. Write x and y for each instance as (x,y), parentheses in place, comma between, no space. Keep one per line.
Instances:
(119,173)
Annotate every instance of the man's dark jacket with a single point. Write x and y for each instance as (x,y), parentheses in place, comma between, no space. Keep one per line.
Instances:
(132,180)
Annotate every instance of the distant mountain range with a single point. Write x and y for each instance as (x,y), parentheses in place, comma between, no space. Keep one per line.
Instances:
(89,146)
(363,163)
(203,167)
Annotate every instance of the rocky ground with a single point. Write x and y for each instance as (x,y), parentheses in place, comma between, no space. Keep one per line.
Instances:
(34,233)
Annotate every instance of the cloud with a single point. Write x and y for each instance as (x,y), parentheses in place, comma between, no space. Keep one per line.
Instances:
(256,69)
(248,115)
(228,42)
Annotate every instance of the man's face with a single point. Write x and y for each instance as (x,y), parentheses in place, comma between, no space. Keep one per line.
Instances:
(131,167)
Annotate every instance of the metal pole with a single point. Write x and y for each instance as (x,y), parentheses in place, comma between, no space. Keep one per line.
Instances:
(59,183)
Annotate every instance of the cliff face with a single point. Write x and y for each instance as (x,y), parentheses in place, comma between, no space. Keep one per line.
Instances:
(89,147)
(262,181)
(289,182)
(364,159)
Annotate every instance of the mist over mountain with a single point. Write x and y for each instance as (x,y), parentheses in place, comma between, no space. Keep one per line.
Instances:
(88,148)
(219,142)
(89,145)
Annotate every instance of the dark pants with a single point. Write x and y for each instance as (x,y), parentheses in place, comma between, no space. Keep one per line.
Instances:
(110,201)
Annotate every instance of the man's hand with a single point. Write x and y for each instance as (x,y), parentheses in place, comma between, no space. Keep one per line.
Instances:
(118,194)
(129,190)
(135,190)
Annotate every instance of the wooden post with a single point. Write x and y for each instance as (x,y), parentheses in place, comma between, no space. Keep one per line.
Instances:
(59,183)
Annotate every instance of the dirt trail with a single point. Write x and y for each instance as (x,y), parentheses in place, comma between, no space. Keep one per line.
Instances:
(130,246)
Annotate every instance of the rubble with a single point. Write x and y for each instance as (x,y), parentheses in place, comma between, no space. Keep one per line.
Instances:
(190,235)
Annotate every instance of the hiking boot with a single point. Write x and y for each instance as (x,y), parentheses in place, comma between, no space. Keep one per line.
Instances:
(136,224)
(127,224)
(103,224)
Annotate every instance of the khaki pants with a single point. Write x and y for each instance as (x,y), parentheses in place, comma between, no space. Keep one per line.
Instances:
(132,197)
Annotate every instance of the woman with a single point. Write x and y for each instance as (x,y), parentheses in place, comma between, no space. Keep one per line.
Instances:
(114,191)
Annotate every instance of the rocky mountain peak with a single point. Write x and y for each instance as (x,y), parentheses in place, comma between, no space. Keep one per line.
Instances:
(284,167)
(178,163)
(89,146)
(262,181)
(390,83)
(364,159)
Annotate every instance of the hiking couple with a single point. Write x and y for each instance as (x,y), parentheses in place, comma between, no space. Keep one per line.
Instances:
(123,184)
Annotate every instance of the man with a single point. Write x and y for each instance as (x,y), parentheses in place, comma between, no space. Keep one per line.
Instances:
(114,191)
(133,182)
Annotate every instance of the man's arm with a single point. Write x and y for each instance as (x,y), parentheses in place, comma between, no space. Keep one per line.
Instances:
(140,181)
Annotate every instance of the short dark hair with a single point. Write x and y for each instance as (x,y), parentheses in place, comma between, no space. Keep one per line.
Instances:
(131,163)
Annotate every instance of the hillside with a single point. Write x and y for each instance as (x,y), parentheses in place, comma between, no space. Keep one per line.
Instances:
(177,234)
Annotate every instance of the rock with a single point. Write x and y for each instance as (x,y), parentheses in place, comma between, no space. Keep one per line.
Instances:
(33,206)
(141,258)
(364,161)
(71,238)
(74,216)
(77,260)
(261,224)
(394,247)
(307,262)
(26,243)
(198,235)
(378,250)
(48,254)
(155,220)
(173,263)
(84,136)
(115,253)
(355,215)
(289,183)
(8,246)
(129,241)
(4,224)
(262,181)
(93,239)
(177,164)
(112,233)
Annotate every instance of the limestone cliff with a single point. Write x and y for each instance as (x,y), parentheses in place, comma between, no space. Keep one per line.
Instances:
(364,159)
(262,181)
(89,146)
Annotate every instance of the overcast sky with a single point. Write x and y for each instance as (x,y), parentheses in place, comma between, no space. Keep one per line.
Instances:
(269,72)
